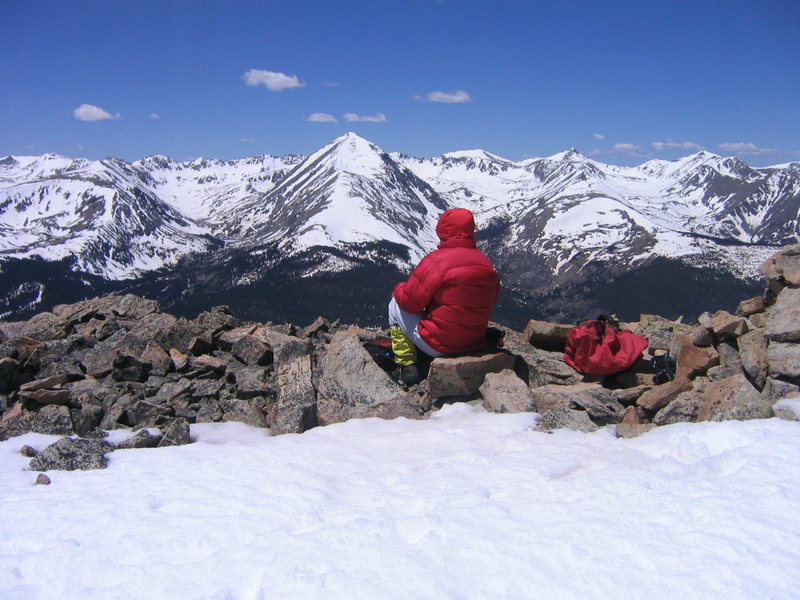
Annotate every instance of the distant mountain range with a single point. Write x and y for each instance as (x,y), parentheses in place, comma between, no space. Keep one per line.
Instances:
(292,237)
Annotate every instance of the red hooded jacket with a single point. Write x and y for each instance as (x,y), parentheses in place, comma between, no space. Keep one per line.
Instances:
(456,286)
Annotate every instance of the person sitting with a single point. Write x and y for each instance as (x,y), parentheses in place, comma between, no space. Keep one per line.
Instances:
(443,308)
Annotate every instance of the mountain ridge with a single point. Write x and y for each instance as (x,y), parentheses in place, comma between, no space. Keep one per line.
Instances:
(550,224)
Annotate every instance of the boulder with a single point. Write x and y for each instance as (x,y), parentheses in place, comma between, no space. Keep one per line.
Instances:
(547,336)
(783,266)
(250,411)
(296,402)
(751,306)
(783,359)
(352,385)
(783,318)
(51,419)
(632,430)
(126,367)
(141,439)
(753,353)
(692,360)
(561,417)
(505,392)
(733,398)
(175,432)
(252,351)
(724,324)
(775,389)
(70,454)
(593,398)
(461,377)
(659,396)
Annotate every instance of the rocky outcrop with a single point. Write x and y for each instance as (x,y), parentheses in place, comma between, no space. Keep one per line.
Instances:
(119,362)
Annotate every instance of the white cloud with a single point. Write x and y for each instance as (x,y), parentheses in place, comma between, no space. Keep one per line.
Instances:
(352,117)
(598,136)
(274,82)
(745,148)
(88,112)
(626,148)
(322,118)
(670,145)
(154,116)
(454,98)
(247,140)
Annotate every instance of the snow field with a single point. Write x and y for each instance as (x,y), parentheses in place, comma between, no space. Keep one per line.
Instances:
(466,504)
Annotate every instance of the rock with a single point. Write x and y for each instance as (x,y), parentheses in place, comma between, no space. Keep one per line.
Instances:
(629,396)
(547,336)
(544,367)
(160,361)
(252,352)
(753,353)
(783,266)
(783,359)
(51,419)
(171,390)
(42,479)
(660,396)
(593,398)
(702,336)
(208,411)
(353,386)
(632,430)
(126,367)
(146,414)
(783,318)
(28,451)
(565,418)
(244,411)
(180,360)
(462,376)
(320,325)
(296,403)
(682,409)
(206,363)
(71,454)
(751,306)
(505,392)
(724,324)
(252,382)
(86,419)
(175,433)
(9,374)
(692,360)
(61,397)
(634,415)
(733,398)
(775,389)
(228,338)
(200,344)
(44,384)
(218,319)
(127,306)
(141,439)
(788,408)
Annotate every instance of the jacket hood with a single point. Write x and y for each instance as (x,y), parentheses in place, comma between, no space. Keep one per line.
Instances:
(456,224)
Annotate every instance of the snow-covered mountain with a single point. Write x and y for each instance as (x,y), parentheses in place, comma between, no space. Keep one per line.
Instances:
(557,226)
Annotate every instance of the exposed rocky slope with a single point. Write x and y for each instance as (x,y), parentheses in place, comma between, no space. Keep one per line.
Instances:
(119,362)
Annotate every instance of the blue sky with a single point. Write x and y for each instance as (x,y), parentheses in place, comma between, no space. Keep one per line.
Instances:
(621,81)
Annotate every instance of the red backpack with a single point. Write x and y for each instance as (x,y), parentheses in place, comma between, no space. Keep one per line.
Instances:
(598,347)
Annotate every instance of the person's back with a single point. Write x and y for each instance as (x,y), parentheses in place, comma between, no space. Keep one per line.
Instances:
(453,289)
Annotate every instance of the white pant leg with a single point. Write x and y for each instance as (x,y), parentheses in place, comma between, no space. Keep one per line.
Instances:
(408,323)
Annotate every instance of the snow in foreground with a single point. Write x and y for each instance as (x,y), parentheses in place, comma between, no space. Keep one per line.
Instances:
(464,505)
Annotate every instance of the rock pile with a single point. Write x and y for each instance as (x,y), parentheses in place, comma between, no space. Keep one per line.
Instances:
(119,362)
